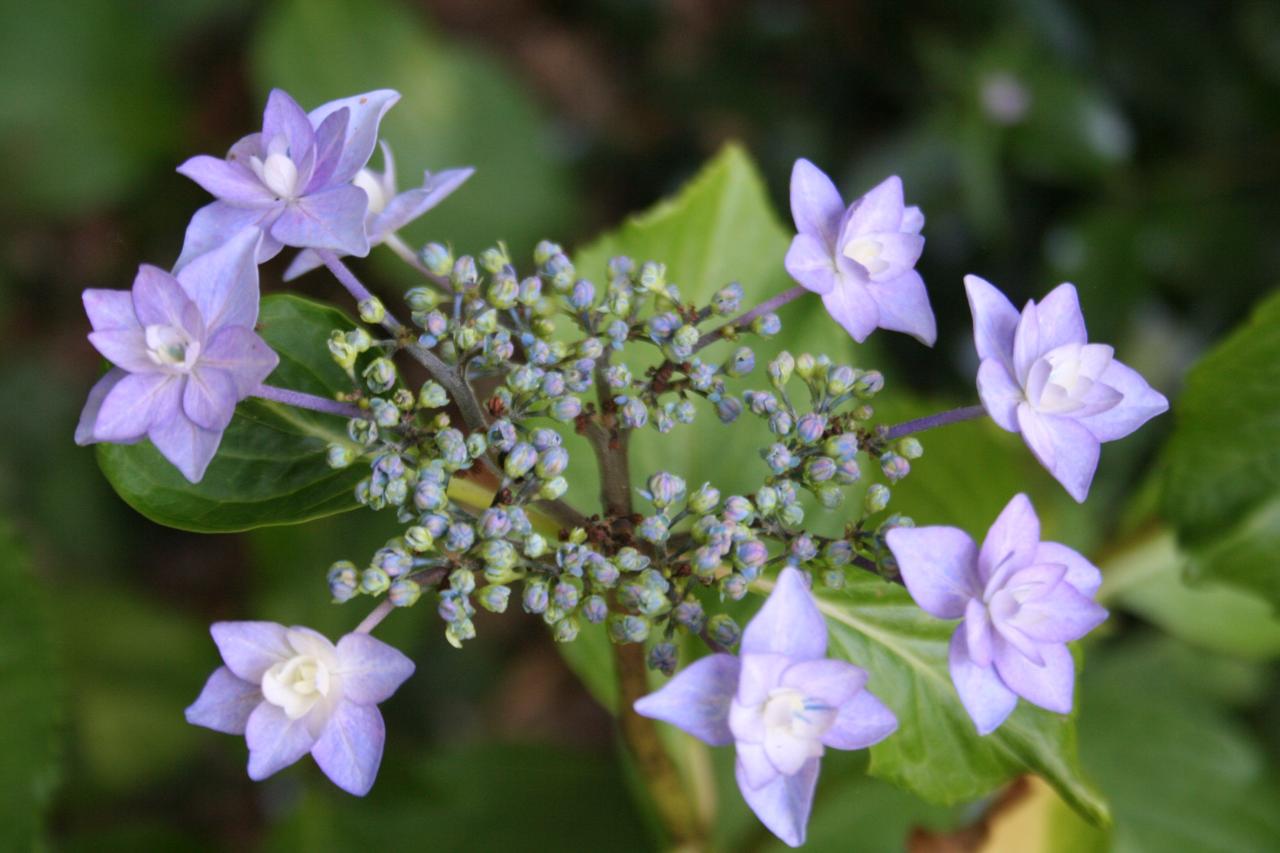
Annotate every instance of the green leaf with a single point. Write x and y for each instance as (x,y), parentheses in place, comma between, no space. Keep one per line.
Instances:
(1222,486)
(270,468)
(30,701)
(458,107)
(937,752)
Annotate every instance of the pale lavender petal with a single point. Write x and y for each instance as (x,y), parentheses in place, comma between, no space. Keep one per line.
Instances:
(912,220)
(1059,318)
(1081,574)
(789,622)
(784,803)
(1000,395)
(223,282)
(1011,541)
(863,720)
(757,675)
(810,263)
(753,765)
(410,204)
(332,219)
(283,117)
(216,223)
(187,446)
(389,171)
(331,136)
(158,298)
(899,251)
(833,681)
(697,699)
(303,263)
(1060,616)
(135,403)
(903,305)
(225,703)
(939,567)
(109,309)
(816,205)
(274,740)
(231,182)
(350,748)
(371,670)
(1006,635)
(245,147)
(249,649)
(879,211)
(362,129)
(1140,404)
(977,632)
(1026,343)
(243,355)
(1064,447)
(210,398)
(994,321)
(1050,686)
(850,305)
(86,428)
(125,348)
(984,696)
(1098,399)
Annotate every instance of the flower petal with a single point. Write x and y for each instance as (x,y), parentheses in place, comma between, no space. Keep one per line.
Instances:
(86,429)
(243,355)
(788,752)
(225,703)
(939,567)
(697,699)
(753,766)
(223,282)
(994,321)
(410,204)
(189,447)
(863,720)
(331,136)
(757,675)
(1060,616)
(109,309)
(789,622)
(274,740)
(977,632)
(1059,319)
(134,403)
(811,264)
(349,750)
(209,398)
(1065,448)
(783,804)
(216,223)
(832,681)
(232,182)
(366,113)
(879,211)
(371,670)
(816,205)
(158,298)
(1011,541)
(999,393)
(283,117)
(1081,574)
(303,263)
(1140,403)
(1050,686)
(984,696)
(912,220)
(850,305)
(249,649)
(903,306)
(126,348)
(331,219)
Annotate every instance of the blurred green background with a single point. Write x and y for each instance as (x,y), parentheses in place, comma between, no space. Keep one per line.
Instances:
(1131,148)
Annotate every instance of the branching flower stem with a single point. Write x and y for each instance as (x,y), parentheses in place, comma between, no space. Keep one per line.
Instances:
(743,320)
(954,416)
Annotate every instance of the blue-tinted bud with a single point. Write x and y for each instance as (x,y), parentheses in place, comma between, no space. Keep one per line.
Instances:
(803,549)
(840,380)
(684,411)
(582,295)
(806,366)
(665,490)
(838,552)
(894,466)
(618,331)
(663,658)
(829,494)
(896,520)
(339,455)
(737,508)
(653,276)
(728,409)
(452,606)
(848,472)
(660,327)
(628,629)
(459,632)
(437,258)
(631,560)
(545,251)
(380,375)
(633,412)
(781,368)
(559,271)
(833,579)
(766,325)
(779,458)
(495,597)
(617,376)
(842,446)
(761,402)
(384,412)
(494,523)
(810,427)
(876,498)
(520,460)
(428,496)
(590,349)
(437,525)
(371,310)
(419,539)
(620,266)
(781,422)
(653,579)
(432,396)
(343,580)
(820,469)
(393,560)
(553,489)
(723,631)
(701,375)
(421,299)
(565,409)
(476,445)
(524,378)
(360,339)
(553,384)
(498,554)
(396,492)
(733,587)
(869,384)
(404,593)
(374,581)
(536,596)
(552,463)
(595,609)
(791,515)
(502,435)
(461,536)
(602,572)
(535,545)
(494,259)
(727,299)
(566,630)
(705,499)
(530,291)
(750,554)
(688,615)
(766,500)
(504,291)
(706,560)
(684,340)
(464,275)
(653,529)
(567,593)
(910,447)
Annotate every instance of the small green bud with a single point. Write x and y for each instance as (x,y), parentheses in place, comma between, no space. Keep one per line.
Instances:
(422,299)
(374,581)
(371,310)
(877,497)
(343,353)
(340,455)
(419,539)
(360,338)
(910,447)
(806,366)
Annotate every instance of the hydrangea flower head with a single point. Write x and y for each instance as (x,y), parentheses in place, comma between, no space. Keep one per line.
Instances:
(184,352)
(294,179)
(389,211)
(290,691)
(1020,601)
(1040,376)
(782,702)
(860,259)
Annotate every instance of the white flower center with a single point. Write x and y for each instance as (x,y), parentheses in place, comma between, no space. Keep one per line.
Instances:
(788,712)
(278,173)
(1062,378)
(297,684)
(866,252)
(170,346)
(372,186)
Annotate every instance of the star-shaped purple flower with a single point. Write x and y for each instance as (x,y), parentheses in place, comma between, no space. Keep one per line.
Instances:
(290,691)
(184,352)
(1020,601)
(781,703)
(861,260)
(1041,377)
(389,211)
(293,180)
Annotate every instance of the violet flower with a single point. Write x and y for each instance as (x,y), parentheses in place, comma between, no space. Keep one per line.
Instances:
(1020,600)
(293,180)
(389,211)
(184,352)
(861,259)
(781,703)
(1041,377)
(290,691)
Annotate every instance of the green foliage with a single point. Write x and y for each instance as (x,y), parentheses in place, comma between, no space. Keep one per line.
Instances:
(270,468)
(458,108)
(30,701)
(1222,488)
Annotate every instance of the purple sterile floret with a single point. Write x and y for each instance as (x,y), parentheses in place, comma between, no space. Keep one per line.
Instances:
(290,691)
(860,259)
(389,211)
(1039,376)
(781,703)
(1020,601)
(184,352)
(294,179)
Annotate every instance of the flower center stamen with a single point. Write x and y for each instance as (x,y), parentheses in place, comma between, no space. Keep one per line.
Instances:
(297,684)
(169,346)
